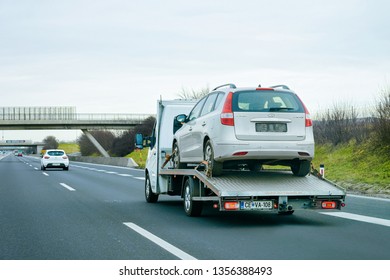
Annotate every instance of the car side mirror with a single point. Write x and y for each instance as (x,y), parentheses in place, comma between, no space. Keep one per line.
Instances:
(178,122)
(139,141)
(142,142)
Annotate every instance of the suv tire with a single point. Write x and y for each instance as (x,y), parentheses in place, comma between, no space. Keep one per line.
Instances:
(301,168)
(208,155)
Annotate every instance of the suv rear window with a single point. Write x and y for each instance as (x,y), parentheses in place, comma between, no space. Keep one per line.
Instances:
(266,101)
(55,153)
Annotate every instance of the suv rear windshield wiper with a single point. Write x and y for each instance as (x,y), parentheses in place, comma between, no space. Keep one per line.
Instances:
(276,109)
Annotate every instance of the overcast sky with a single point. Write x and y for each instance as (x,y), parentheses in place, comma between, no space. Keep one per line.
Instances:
(120,56)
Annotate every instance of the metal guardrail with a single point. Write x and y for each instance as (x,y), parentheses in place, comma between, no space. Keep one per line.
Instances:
(62,114)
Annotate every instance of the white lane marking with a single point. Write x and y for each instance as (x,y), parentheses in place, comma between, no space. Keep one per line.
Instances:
(125,175)
(67,187)
(139,178)
(369,197)
(36,168)
(111,172)
(160,242)
(44,173)
(360,218)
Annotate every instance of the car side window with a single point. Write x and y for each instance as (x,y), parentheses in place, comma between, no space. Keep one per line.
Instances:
(219,99)
(209,104)
(195,113)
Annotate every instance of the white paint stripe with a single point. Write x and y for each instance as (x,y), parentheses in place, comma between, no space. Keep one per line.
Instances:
(360,218)
(36,168)
(111,172)
(125,175)
(67,187)
(163,244)
(44,173)
(139,178)
(369,197)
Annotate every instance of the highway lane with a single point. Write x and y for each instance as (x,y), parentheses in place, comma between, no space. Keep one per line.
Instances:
(93,212)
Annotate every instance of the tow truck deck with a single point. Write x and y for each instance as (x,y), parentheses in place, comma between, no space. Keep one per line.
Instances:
(246,190)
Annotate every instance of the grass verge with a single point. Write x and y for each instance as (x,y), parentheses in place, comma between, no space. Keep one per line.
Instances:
(356,167)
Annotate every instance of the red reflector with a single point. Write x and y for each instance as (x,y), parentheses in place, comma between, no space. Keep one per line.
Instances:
(328,204)
(46,157)
(231,205)
(240,154)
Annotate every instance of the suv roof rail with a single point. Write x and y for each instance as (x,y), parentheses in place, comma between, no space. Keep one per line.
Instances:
(281,86)
(230,85)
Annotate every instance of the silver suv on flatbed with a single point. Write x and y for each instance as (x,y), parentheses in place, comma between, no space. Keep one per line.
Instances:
(248,127)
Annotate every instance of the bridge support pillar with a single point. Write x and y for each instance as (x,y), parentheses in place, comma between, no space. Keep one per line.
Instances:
(95,143)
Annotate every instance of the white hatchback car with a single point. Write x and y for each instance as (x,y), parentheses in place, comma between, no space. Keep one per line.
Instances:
(55,159)
(246,127)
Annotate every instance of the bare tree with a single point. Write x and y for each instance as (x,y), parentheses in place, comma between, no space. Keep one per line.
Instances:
(193,94)
(50,143)
(124,144)
(340,124)
(382,121)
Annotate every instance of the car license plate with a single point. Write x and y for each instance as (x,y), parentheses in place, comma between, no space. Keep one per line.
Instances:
(256,205)
(271,127)
(56,164)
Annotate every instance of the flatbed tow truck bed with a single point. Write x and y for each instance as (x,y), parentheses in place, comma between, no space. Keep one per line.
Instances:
(246,190)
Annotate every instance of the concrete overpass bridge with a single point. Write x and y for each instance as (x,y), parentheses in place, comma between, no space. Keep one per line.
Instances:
(64,118)
(25,145)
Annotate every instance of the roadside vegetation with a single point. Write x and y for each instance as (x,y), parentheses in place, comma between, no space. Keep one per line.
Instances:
(354,147)
(69,148)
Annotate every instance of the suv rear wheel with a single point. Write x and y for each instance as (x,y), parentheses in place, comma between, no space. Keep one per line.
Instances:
(301,168)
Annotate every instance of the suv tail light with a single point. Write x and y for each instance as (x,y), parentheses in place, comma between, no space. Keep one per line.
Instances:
(308,120)
(227,116)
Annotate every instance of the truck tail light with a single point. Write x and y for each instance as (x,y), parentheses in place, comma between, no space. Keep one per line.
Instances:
(227,116)
(231,205)
(329,205)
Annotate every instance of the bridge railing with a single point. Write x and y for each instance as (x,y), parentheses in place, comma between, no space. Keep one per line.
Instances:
(75,117)
(60,113)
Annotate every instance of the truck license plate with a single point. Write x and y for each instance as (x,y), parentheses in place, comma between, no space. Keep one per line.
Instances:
(256,205)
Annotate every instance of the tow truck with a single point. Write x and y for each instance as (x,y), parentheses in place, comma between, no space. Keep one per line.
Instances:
(235,190)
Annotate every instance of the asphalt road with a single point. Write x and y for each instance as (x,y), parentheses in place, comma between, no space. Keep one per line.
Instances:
(99,212)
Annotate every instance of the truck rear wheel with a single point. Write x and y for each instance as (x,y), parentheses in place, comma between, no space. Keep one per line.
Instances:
(149,195)
(191,207)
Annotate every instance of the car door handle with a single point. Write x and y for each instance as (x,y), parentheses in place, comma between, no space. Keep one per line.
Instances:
(203,124)
(190,129)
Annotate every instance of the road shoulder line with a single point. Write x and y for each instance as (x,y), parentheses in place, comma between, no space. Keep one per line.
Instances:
(359,218)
